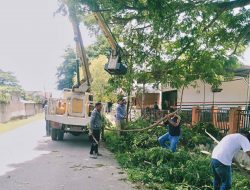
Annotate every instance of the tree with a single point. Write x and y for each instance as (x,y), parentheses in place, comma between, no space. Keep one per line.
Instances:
(99,86)
(8,85)
(180,41)
(100,47)
(67,70)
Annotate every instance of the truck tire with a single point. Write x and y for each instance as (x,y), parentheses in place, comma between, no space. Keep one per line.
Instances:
(54,134)
(60,134)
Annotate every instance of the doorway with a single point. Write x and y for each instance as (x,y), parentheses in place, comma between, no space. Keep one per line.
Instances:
(169,98)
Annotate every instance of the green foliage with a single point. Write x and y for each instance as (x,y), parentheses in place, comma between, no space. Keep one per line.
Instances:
(100,80)
(177,41)
(67,70)
(157,168)
(8,86)
(197,136)
(99,48)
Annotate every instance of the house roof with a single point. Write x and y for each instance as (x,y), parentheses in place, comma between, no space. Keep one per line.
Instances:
(242,71)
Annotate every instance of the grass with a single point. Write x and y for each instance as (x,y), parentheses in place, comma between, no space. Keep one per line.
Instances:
(4,127)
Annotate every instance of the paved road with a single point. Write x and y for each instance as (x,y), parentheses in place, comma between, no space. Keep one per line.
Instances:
(31,161)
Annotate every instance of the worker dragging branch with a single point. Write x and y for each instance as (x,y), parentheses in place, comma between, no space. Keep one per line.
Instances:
(174,131)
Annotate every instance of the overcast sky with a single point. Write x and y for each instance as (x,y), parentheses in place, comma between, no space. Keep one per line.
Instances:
(32,41)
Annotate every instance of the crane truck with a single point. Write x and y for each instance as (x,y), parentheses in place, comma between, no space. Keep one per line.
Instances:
(71,113)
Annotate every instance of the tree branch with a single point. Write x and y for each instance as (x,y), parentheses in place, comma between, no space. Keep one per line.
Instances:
(141,28)
(241,36)
(218,14)
(229,5)
(182,51)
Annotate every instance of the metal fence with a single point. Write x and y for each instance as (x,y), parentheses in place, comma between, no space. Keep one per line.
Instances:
(243,120)
(205,115)
(186,115)
(218,117)
(154,115)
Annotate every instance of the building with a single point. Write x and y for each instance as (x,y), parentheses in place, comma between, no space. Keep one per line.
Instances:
(232,93)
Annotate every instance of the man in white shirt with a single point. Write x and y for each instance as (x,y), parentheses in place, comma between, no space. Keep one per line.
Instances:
(222,157)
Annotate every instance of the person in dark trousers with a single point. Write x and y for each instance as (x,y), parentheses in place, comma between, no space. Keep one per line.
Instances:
(222,157)
(110,104)
(45,107)
(95,130)
(156,107)
(120,117)
(173,134)
(156,111)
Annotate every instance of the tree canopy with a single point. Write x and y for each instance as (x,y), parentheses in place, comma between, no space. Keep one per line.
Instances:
(99,86)
(67,70)
(8,85)
(177,41)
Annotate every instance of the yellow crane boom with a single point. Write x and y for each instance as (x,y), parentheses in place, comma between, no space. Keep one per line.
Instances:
(81,52)
(114,65)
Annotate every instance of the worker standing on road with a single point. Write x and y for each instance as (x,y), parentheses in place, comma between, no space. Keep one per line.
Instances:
(120,117)
(45,107)
(222,158)
(95,130)
(173,134)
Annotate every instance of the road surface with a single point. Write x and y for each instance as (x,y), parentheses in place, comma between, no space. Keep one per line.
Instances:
(31,161)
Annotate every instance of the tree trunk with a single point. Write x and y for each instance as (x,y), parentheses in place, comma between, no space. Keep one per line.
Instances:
(182,92)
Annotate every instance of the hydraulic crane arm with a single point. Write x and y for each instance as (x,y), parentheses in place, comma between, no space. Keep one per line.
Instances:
(81,52)
(114,65)
(107,33)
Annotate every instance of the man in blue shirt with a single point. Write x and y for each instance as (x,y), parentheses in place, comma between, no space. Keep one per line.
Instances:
(173,134)
(120,117)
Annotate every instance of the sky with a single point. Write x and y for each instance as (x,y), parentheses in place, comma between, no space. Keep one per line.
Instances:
(32,41)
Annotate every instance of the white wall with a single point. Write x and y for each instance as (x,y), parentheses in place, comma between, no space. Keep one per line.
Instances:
(233,94)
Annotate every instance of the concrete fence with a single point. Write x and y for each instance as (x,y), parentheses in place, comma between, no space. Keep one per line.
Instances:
(18,109)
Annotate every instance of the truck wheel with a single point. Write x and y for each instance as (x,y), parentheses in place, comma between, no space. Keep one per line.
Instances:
(53,134)
(60,134)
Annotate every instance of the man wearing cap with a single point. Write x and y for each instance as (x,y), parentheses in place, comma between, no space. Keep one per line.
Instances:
(222,157)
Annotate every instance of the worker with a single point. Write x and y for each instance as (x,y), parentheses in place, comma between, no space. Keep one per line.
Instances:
(222,157)
(174,131)
(120,117)
(45,107)
(156,111)
(95,130)
(156,107)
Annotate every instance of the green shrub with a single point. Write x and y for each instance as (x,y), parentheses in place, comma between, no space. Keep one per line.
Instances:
(157,168)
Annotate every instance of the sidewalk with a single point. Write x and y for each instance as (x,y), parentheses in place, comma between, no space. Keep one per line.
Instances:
(4,127)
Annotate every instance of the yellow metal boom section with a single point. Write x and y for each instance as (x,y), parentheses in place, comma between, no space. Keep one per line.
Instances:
(81,52)
(101,22)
